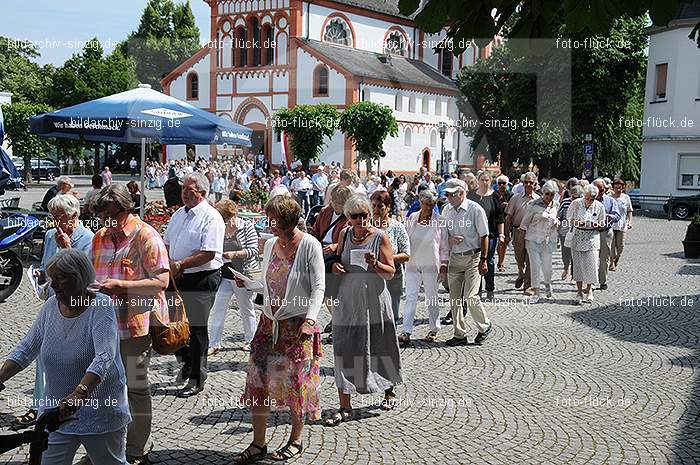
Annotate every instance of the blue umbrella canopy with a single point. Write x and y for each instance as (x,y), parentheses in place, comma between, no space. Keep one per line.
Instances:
(137,114)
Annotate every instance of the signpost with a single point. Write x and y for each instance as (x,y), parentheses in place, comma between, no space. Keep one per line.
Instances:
(588,151)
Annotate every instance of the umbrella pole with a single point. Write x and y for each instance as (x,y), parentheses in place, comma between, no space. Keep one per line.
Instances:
(143,176)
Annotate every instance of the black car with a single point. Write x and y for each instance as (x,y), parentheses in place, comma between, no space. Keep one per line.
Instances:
(42,169)
(683,207)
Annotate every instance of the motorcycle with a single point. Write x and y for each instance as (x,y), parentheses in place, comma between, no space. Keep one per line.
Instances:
(16,232)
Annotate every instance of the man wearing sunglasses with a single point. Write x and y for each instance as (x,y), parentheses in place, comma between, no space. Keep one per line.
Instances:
(515,213)
(468,238)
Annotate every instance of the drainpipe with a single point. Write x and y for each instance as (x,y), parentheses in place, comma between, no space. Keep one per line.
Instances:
(308,15)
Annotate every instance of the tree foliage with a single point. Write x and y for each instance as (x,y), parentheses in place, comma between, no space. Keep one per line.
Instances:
(367,125)
(23,142)
(607,90)
(469,19)
(167,35)
(307,127)
(27,81)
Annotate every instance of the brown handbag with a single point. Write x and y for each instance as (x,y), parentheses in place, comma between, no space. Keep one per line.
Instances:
(166,339)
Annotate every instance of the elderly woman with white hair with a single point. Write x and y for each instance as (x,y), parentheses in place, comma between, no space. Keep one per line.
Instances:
(541,224)
(75,337)
(586,215)
(365,348)
(427,264)
(68,233)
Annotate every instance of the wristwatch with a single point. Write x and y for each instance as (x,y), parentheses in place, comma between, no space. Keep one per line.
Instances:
(178,266)
(83,388)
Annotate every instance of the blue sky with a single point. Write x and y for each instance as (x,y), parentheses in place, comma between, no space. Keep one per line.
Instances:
(60,27)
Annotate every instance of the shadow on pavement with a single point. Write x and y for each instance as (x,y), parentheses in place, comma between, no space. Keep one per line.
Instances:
(676,326)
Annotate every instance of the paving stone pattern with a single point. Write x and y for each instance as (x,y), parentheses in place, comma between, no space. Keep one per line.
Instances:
(616,381)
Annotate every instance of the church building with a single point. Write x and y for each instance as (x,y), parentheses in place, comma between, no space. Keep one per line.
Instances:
(270,54)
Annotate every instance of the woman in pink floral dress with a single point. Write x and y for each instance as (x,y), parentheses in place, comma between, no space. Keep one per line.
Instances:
(283,369)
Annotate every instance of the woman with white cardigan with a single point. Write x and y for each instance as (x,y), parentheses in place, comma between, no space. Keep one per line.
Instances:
(283,368)
(427,264)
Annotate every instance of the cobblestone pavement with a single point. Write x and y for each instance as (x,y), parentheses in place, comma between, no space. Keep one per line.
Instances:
(612,382)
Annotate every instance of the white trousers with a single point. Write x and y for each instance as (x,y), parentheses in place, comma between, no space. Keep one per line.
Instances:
(244,298)
(414,278)
(540,255)
(103,449)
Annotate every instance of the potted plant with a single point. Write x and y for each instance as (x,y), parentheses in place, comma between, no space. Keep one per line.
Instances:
(691,244)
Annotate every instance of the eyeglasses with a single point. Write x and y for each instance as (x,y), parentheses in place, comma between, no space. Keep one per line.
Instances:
(363,215)
(502,183)
(528,182)
(453,194)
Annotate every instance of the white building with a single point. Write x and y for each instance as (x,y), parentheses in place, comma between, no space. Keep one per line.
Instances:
(272,54)
(5,98)
(671,131)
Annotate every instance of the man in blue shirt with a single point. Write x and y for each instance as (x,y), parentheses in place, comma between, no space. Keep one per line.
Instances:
(415,206)
(606,234)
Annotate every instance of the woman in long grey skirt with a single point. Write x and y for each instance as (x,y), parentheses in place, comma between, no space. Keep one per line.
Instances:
(365,348)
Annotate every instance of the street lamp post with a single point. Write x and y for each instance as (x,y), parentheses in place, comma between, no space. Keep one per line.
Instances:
(443,129)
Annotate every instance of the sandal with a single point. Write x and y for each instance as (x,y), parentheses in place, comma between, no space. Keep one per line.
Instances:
(404,338)
(343,414)
(247,456)
(285,453)
(26,420)
(388,404)
(431,337)
(501,268)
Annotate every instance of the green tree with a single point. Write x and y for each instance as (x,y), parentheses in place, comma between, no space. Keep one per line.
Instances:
(607,89)
(532,18)
(167,35)
(367,125)
(23,142)
(20,75)
(307,127)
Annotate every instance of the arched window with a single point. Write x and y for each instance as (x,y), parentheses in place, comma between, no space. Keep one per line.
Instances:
(255,27)
(438,107)
(407,137)
(425,103)
(412,104)
(268,45)
(321,81)
(192,86)
(446,60)
(398,102)
(433,138)
(241,49)
(396,44)
(338,32)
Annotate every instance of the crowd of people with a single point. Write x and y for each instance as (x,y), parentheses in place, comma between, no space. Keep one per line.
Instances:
(333,244)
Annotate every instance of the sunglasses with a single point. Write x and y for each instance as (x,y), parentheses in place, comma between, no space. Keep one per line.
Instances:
(528,182)
(502,183)
(354,216)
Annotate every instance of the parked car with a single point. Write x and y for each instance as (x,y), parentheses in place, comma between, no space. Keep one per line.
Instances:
(42,169)
(683,207)
(634,198)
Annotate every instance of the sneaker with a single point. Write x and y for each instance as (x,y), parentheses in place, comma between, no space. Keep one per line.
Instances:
(328,328)
(603,287)
(446,320)
(246,347)
(213,351)
(529,291)
(548,288)
(431,336)
(456,341)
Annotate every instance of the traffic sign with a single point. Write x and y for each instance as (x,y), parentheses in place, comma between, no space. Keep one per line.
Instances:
(588,149)
(588,165)
(587,173)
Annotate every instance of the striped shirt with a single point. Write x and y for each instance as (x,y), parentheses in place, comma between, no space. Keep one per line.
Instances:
(247,239)
(137,252)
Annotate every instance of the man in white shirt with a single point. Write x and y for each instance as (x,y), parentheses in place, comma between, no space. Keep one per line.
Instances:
(468,233)
(515,211)
(320,182)
(301,188)
(132,165)
(195,241)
